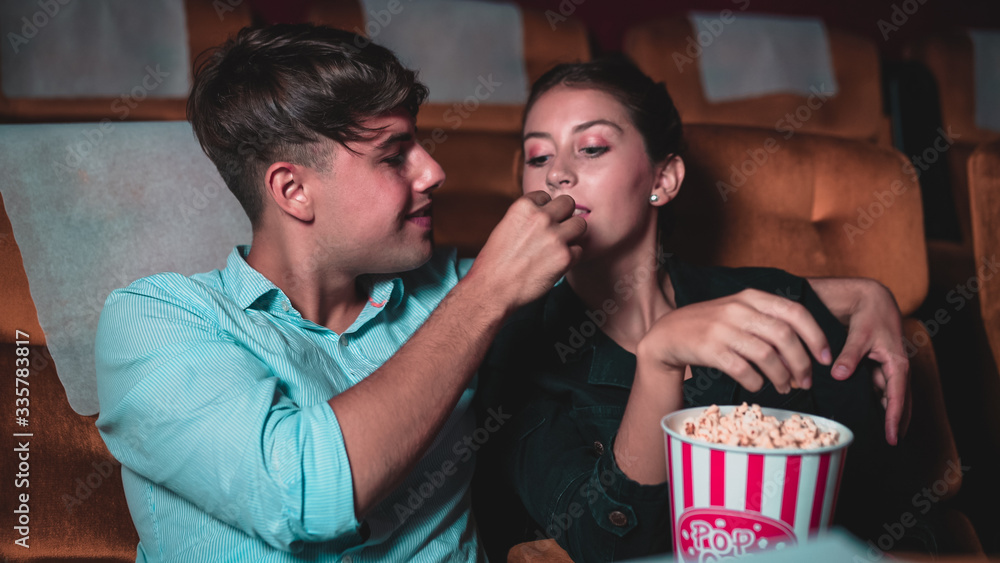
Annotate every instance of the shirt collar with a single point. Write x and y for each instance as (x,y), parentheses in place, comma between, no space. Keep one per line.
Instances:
(244,284)
(248,287)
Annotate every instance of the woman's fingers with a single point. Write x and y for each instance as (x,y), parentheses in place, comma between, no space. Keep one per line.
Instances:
(795,315)
(737,367)
(787,349)
(767,359)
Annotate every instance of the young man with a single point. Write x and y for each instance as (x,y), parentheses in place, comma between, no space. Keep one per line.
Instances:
(309,401)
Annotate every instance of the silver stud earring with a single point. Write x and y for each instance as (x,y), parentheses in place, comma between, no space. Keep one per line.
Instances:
(654,198)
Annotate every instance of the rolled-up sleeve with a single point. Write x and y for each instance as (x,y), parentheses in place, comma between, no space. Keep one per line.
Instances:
(187,407)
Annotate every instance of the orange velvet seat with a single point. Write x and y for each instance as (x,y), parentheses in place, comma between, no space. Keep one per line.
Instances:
(855,112)
(984,196)
(949,58)
(76,503)
(799,212)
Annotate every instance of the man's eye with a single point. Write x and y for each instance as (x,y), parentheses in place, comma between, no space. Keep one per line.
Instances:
(395,160)
(537,161)
(594,151)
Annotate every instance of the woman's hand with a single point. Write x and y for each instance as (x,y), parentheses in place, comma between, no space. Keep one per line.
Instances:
(730,333)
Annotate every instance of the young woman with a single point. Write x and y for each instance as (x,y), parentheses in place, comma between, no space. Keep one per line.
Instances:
(632,334)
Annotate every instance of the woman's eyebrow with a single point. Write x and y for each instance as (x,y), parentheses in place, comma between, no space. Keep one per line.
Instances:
(577,129)
(589,124)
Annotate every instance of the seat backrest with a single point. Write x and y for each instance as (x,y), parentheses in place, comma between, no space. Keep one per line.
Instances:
(93,208)
(949,57)
(855,112)
(984,196)
(208,24)
(77,509)
(812,205)
(545,45)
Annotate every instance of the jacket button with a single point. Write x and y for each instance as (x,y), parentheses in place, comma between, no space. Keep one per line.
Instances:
(618,518)
(598,447)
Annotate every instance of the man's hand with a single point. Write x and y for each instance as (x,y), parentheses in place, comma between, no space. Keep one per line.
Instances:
(730,333)
(875,330)
(530,249)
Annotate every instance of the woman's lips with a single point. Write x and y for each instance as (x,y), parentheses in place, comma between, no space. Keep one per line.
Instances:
(580,210)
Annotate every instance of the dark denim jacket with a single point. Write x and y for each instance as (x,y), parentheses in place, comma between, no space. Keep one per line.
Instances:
(550,471)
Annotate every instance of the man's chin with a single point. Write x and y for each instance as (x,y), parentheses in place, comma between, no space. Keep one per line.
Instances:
(412,259)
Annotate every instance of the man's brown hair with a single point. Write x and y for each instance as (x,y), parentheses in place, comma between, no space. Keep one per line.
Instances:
(272,92)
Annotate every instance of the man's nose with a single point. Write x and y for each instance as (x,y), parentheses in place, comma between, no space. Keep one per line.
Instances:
(431,174)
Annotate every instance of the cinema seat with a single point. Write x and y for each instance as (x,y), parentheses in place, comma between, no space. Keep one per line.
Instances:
(854,113)
(478,148)
(984,197)
(798,211)
(77,508)
(209,23)
(76,504)
(949,57)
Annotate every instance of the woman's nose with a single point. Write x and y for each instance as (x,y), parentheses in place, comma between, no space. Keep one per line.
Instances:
(560,176)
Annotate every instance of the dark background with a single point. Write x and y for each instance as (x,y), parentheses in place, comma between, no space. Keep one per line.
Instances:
(607,20)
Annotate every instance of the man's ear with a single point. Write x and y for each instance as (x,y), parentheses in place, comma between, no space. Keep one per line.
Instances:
(667,182)
(284,184)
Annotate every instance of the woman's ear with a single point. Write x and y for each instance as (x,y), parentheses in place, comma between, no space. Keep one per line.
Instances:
(667,183)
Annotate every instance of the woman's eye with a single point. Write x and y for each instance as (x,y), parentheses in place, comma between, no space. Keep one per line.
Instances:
(594,151)
(537,161)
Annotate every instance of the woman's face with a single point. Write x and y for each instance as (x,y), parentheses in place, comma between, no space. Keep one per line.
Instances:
(581,142)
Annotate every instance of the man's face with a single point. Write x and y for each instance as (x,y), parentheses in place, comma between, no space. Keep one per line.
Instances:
(372,206)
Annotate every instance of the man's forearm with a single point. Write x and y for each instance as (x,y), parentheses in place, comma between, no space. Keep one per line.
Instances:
(842,295)
(389,419)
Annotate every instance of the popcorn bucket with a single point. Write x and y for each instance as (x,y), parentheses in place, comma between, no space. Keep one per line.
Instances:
(726,501)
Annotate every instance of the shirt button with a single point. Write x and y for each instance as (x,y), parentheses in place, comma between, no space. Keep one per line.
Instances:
(344,340)
(598,447)
(347,559)
(284,306)
(618,519)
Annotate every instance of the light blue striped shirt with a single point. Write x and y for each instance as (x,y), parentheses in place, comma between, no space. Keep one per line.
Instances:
(213,393)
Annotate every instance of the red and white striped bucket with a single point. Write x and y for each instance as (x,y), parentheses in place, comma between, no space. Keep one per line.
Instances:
(726,501)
